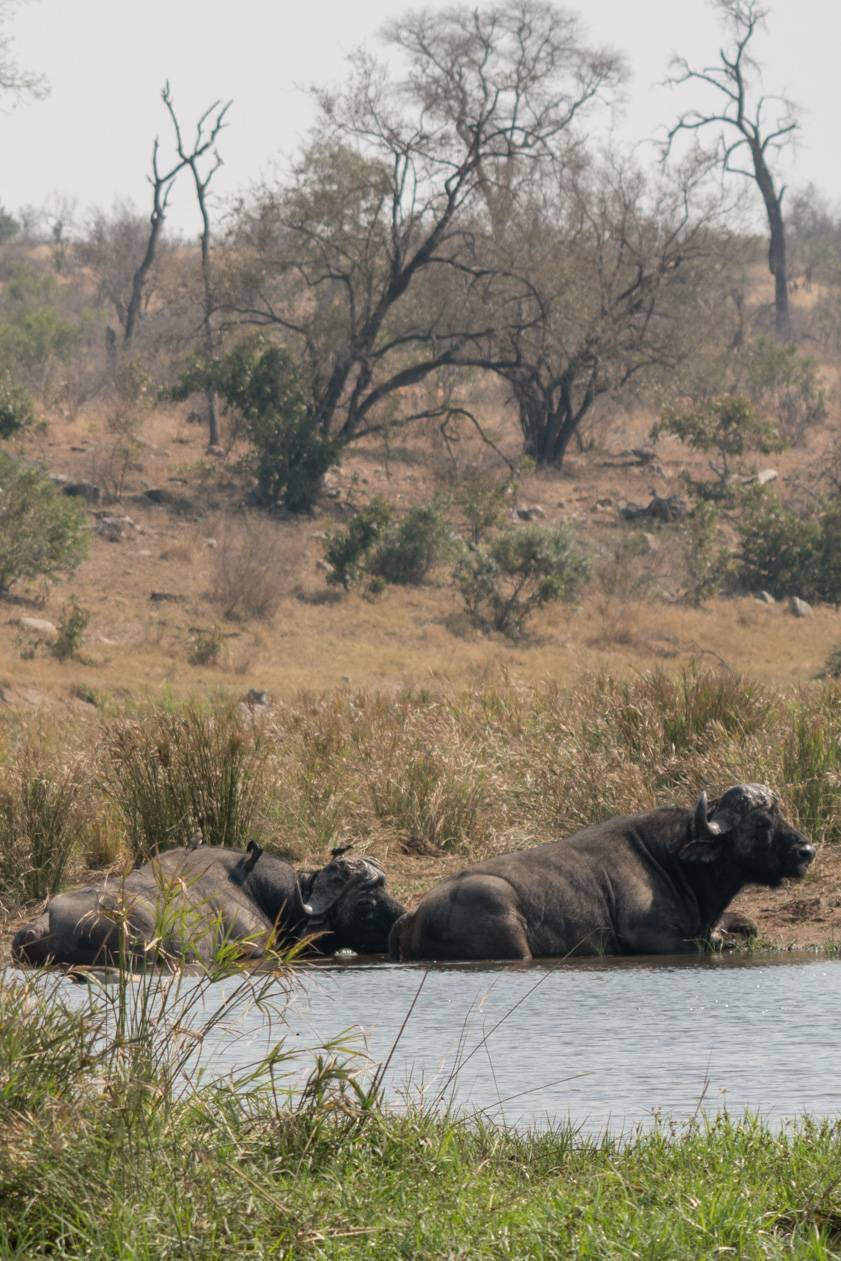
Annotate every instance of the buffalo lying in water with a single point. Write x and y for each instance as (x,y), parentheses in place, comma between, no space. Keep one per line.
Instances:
(654,883)
(186,903)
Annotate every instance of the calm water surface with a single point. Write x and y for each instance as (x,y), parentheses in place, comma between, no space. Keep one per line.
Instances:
(606,1044)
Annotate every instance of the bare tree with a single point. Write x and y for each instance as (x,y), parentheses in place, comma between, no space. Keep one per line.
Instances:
(612,271)
(162,183)
(355,262)
(14,82)
(201,182)
(742,130)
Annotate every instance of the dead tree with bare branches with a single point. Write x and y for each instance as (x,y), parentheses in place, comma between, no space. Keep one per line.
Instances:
(201,181)
(162,183)
(742,129)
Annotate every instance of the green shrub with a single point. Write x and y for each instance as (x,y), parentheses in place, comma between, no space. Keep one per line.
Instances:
(788,554)
(17,410)
(785,384)
(42,532)
(521,570)
(71,630)
(348,551)
(405,553)
(9,226)
(708,564)
(206,647)
(725,426)
(376,548)
(261,384)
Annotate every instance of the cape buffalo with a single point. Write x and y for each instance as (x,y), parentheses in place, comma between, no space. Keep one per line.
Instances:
(654,883)
(185,903)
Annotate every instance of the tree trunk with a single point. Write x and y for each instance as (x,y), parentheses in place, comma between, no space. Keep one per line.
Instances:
(156,222)
(777,241)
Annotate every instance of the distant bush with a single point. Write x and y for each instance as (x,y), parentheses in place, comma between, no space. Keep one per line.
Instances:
(71,631)
(348,551)
(405,553)
(725,427)
(9,226)
(787,554)
(42,532)
(17,411)
(782,383)
(261,384)
(35,335)
(483,500)
(206,647)
(708,565)
(521,570)
(251,573)
(376,548)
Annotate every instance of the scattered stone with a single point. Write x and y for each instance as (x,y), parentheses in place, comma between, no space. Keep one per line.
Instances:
(667,508)
(254,696)
(644,455)
(323,565)
(164,597)
(650,542)
(332,492)
(765,597)
(59,479)
(38,626)
(114,528)
(211,543)
(530,512)
(607,502)
(83,490)
(178,481)
(215,449)
(320,535)
(159,495)
(799,608)
(765,476)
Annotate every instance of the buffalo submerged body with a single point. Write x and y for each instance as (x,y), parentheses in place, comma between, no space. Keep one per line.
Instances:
(187,903)
(654,883)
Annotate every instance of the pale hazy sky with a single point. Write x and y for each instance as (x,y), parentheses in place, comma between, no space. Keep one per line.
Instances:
(106,61)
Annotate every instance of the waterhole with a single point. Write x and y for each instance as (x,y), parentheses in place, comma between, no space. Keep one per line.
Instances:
(604,1044)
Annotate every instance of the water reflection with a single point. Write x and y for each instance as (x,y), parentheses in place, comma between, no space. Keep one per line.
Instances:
(601,1043)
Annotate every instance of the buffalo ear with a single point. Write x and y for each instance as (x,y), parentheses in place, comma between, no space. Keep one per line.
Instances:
(700,850)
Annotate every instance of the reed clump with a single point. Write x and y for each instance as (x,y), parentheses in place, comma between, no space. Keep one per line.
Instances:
(461,775)
(175,775)
(41,820)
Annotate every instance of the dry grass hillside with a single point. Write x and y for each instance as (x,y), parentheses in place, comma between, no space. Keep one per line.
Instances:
(149,592)
(172,534)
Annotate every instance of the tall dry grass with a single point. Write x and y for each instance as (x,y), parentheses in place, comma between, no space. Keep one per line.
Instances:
(171,775)
(469,774)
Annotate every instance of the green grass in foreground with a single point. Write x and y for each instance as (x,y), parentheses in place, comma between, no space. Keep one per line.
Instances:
(104,1155)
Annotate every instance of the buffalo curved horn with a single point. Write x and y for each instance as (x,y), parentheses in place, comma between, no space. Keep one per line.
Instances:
(731,808)
(702,823)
